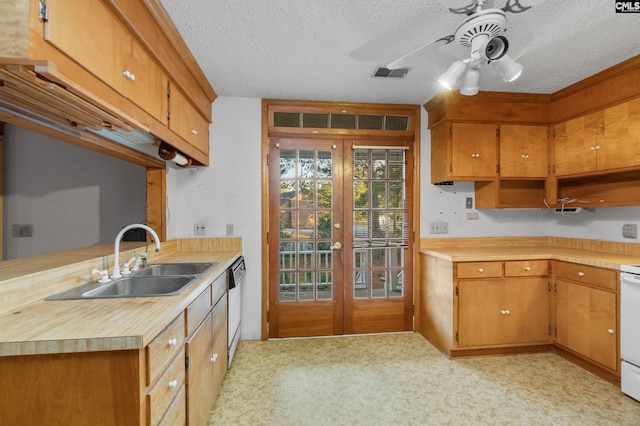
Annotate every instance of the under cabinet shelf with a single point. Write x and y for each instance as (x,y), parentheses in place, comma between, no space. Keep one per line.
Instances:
(511,193)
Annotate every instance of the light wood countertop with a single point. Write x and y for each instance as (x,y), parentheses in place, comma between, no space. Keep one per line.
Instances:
(61,326)
(497,253)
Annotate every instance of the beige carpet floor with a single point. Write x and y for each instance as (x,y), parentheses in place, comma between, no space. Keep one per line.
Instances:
(401,379)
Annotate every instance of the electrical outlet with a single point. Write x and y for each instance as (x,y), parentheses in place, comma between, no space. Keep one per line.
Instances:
(20,231)
(229,229)
(200,229)
(630,230)
(469,203)
(473,216)
(438,227)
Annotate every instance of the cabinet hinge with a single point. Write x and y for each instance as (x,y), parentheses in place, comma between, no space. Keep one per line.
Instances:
(268,316)
(268,157)
(554,168)
(498,132)
(549,286)
(555,287)
(457,292)
(451,167)
(498,168)
(43,11)
(451,130)
(457,337)
(186,361)
(413,310)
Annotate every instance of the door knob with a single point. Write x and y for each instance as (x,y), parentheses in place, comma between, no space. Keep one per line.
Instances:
(336,246)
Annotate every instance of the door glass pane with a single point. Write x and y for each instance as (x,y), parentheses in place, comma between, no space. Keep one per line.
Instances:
(306,225)
(380,215)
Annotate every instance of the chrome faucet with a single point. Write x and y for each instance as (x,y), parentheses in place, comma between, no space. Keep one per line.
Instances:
(116,254)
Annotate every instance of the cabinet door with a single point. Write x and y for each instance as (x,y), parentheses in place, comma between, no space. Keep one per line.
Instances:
(576,144)
(480,318)
(620,143)
(84,31)
(523,151)
(187,122)
(200,392)
(527,307)
(586,322)
(473,150)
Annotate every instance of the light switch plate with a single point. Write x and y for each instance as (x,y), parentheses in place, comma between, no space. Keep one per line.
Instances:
(630,230)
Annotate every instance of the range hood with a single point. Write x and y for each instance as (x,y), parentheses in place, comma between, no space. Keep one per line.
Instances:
(35,91)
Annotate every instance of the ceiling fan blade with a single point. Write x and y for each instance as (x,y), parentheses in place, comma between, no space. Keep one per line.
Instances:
(469,5)
(406,60)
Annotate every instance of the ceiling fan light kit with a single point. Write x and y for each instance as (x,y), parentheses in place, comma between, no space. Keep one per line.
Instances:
(483,33)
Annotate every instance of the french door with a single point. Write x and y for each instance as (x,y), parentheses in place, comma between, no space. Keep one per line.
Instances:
(339,246)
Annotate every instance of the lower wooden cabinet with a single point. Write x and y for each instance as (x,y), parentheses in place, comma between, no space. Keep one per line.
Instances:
(498,312)
(586,319)
(174,379)
(207,364)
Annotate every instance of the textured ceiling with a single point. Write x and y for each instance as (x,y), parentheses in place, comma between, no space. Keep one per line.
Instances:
(329,49)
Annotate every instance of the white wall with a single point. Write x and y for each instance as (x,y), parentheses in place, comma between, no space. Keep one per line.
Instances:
(447,203)
(72,196)
(229,192)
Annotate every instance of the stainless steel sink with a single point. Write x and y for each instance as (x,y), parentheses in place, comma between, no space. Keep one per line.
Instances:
(163,279)
(167,269)
(140,287)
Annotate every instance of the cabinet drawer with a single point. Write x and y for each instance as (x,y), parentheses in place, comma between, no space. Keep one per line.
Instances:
(198,310)
(166,389)
(524,268)
(163,348)
(479,269)
(177,412)
(605,278)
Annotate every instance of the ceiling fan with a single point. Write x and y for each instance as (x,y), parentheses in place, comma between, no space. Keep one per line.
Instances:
(483,32)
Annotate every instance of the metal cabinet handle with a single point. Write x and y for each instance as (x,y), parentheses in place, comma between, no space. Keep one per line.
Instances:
(173,342)
(610,331)
(214,357)
(527,268)
(194,132)
(581,274)
(480,270)
(173,383)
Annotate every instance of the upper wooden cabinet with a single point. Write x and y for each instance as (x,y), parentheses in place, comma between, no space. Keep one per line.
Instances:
(116,56)
(523,151)
(600,141)
(463,151)
(187,122)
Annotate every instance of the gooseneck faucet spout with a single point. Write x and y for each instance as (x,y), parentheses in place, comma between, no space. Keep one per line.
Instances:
(116,254)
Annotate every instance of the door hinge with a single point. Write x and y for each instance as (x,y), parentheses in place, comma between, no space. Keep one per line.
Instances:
(43,11)
(457,337)
(186,361)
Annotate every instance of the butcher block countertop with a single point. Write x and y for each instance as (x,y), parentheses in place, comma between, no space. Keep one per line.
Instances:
(587,252)
(62,326)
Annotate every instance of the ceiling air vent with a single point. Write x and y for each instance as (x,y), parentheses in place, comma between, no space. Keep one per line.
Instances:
(386,72)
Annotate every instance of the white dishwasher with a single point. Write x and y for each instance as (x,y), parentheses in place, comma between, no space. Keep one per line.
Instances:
(630,329)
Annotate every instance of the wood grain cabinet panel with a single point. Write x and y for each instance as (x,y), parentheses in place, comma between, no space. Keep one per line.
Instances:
(601,141)
(164,347)
(479,269)
(586,322)
(187,122)
(166,389)
(463,152)
(525,268)
(499,312)
(524,151)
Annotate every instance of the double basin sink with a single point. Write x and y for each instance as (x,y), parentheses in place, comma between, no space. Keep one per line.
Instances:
(164,279)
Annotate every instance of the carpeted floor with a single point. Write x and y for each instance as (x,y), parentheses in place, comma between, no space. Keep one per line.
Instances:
(401,379)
